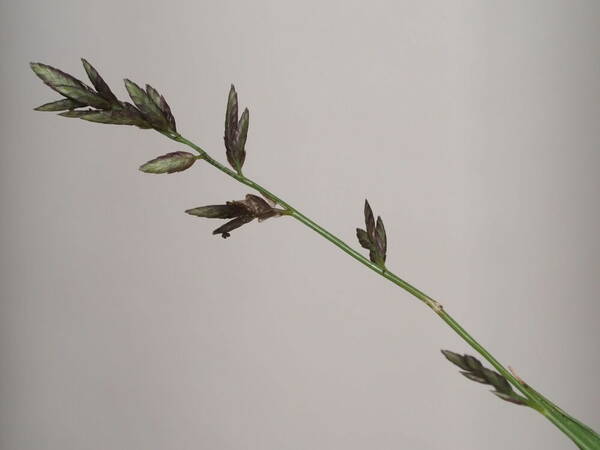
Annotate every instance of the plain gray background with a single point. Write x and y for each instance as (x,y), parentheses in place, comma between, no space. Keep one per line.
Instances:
(472,127)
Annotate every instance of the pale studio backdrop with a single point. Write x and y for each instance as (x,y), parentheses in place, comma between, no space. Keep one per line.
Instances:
(472,127)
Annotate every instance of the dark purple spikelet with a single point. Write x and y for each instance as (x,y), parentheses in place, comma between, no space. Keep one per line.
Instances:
(102,105)
(236,131)
(241,211)
(474,370)
(373,238)
(169,163)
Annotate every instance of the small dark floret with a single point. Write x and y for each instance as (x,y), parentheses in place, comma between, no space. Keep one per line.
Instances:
(241,211)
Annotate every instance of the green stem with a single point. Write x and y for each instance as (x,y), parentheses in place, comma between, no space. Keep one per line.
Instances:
(534,399)
(433,304)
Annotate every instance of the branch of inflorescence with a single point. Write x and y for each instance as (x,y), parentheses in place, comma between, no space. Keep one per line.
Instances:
(151,111)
